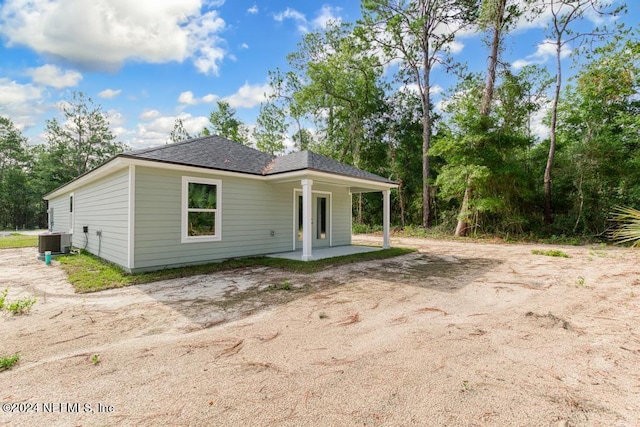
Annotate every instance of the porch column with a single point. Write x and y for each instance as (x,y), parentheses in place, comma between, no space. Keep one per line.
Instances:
(386,213)
(307,206)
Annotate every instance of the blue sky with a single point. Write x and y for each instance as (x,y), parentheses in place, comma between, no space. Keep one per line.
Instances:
(148,62)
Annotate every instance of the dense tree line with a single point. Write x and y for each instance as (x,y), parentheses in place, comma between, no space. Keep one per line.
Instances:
(362,93)
(474,164)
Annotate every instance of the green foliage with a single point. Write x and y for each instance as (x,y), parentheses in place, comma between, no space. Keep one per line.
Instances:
(179,133)
(95,359)
(270,130)
(21,306)
(628,228)
(224,123)
(7,362)
(16,240)
(550,252)
(3,297)
(18,203)
(18,307)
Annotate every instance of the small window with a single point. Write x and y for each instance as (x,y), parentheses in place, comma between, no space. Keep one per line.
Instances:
(201,217)
(71,215)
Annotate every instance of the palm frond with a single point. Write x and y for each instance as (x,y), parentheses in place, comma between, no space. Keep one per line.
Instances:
(628,229)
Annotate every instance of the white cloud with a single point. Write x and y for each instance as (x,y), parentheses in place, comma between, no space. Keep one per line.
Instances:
(187,98)
(115,118)
(12,92)
(149,114)
(253,9)
(248,96)
(157,131)
(299,18)
(103,34)
(545,51)
(109,93)
(204,44)
(50,75)
(324,16)
(244,46)
(327,15)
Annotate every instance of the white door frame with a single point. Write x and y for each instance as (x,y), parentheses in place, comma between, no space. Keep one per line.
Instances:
(309,235)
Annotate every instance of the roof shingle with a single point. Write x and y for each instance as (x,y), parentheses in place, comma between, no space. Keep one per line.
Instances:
(215,152)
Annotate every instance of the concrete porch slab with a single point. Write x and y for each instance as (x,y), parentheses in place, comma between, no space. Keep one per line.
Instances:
(322,253)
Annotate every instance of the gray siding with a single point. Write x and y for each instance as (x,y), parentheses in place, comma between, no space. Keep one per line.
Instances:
(103,206)
(341,211)
(250,210)
(61,214)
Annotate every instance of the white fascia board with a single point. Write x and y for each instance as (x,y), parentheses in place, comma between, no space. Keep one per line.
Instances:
(191,169)
(329,178)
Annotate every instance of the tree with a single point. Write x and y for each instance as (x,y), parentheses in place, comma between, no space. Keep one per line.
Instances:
(179,133)
(495,16)
(224,123)
(419,34)
(270,131)
(16,202)
(564,14)
(598,128)
(83,140)
(485,156)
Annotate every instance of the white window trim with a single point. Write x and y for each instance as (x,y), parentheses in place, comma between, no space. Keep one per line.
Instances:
(185,238)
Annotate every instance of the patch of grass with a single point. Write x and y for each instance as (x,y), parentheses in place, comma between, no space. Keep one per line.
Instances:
(7,362)
(3,297)
(16,240)
(284,286)
(95,359)
(550,252)
(88,273)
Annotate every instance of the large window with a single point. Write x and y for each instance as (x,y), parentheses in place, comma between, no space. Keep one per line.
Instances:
(201,209)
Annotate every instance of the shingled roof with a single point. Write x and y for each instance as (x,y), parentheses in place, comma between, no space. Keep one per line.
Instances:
(215,152)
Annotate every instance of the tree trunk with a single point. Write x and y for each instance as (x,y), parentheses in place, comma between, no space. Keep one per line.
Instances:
(485,107)
(463,223)
(548,216)
(426,127)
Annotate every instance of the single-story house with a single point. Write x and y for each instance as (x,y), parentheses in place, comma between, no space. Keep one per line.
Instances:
(208,199)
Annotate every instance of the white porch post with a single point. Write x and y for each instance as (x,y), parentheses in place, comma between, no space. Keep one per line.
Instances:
(307,206)
(386,213)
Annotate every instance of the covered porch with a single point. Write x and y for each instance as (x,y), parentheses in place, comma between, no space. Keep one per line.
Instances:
(313,210)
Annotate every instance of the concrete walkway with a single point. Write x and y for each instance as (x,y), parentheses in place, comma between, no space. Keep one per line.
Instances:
(322,253)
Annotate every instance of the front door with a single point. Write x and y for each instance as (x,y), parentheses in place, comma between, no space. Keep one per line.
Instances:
(320,220)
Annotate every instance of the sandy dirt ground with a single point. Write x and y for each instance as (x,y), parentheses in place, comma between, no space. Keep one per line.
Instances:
(457,334)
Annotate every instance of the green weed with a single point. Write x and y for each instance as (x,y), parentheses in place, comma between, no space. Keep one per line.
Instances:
(7,362)
(95,359)
(284,286)
(3,297)
(21,306)
(550,252)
